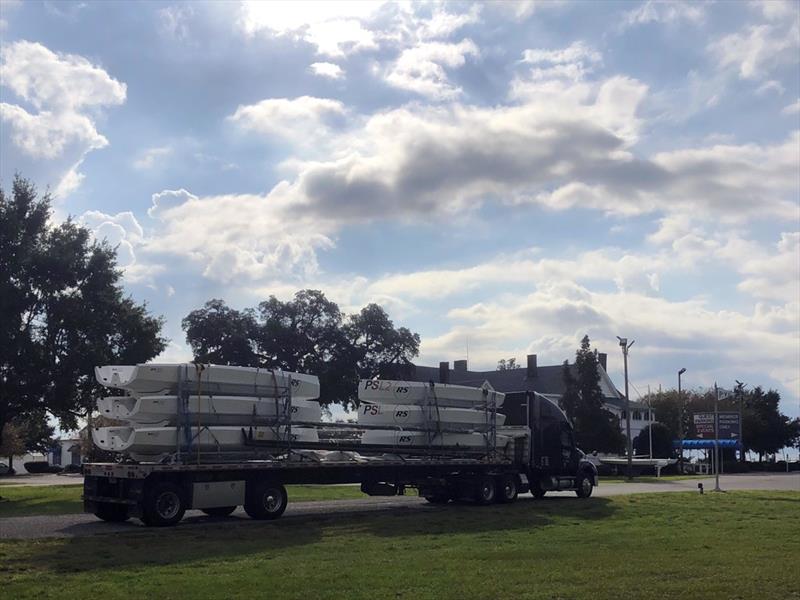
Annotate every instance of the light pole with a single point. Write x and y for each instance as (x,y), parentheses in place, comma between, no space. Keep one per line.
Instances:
(623,343)
(740,391)
(680,419)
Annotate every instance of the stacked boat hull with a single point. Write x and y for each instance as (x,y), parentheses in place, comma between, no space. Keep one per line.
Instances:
(143,443)
(385,391)
(207,379)
(211,410)
(400,415)
(227,408)
(417,414)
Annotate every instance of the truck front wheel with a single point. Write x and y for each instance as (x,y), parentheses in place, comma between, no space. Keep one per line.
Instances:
(164,505)
(585,485)
(266,500)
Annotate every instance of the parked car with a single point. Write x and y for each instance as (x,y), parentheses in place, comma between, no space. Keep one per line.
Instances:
(6,470)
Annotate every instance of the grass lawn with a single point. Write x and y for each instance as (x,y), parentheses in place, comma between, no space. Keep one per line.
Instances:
(677,545)
(64,499)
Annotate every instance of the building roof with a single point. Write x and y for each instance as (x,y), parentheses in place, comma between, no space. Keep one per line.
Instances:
(548,379)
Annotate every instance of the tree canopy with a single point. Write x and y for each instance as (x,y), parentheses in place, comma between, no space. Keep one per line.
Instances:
(64,312)
(308,333)
(596,428)
(662,441)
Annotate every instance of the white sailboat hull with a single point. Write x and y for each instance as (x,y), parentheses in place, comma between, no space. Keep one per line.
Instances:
(162,378)
(154,441)
(385,391)
(209,410)
(405,439)
(424,416)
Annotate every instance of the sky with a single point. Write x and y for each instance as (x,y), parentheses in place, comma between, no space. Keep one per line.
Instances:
(503,178)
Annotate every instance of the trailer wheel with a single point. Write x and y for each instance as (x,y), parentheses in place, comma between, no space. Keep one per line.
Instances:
(585,485)
(508,489)
(113,513)
(486,491)
(164,505)
(266,500)
(219,511)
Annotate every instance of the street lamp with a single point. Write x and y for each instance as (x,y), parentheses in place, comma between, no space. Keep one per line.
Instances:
(623,343)
(740,392)
(680,418)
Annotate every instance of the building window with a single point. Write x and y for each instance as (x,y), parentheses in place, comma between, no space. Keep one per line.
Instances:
(637,416)
(647,415)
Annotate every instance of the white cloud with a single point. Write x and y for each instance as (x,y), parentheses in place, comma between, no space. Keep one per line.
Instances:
(775,10)
(551,320)
(326,69)
(299,120)
(334,27)
(771,85)
(577,52)
(758,49)
(421,69)
(57,81)
(152,157)
(773,275)
(657,11)
(121,231)
(167,199)
(173,21)
(237,236)
(47,134)
(442,23)
(791,109)
(66,90)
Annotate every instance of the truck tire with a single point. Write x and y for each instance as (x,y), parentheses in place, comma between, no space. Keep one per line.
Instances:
(266,500)
(112,513)
(585,485)
(537,491)
(219,511)
(164,505)
(507,489)
(486,491)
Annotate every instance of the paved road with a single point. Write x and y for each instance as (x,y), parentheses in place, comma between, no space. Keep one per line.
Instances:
(82,525)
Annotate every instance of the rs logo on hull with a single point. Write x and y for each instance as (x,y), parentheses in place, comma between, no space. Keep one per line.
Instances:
(384,386)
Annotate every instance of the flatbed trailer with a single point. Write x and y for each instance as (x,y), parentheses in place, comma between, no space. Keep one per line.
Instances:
(543,458)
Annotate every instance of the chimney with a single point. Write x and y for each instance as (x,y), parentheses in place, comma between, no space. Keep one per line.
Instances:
(460,366)
(444,372)
(602,358)
(532,369)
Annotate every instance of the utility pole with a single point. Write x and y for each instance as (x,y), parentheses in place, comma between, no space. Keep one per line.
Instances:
(650,419)
(716,438)
(623,342)
(680,419)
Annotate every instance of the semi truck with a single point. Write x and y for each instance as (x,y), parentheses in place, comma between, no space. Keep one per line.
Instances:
(542,456)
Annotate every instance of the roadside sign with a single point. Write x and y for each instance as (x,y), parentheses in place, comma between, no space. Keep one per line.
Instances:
(704,425)
(729,425)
